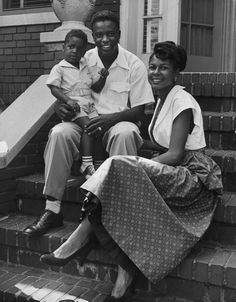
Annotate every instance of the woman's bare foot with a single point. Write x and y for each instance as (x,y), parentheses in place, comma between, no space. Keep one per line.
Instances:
(76,240)
(123,281)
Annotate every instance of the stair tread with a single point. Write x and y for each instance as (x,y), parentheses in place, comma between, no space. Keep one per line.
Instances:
(29,284)
(214,113)
(36,284)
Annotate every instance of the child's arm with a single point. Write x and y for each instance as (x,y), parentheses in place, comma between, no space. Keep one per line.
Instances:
(98,86)
(57,92)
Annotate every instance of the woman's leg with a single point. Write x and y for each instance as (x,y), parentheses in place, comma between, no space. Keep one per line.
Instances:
(77,239)
(123,281)
(126,268)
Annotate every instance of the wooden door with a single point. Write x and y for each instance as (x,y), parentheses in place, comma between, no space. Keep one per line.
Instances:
(202,34)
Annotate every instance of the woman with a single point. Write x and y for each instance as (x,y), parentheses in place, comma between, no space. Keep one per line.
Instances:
(149,213)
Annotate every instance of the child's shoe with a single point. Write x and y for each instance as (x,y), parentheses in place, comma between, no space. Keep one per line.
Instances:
(89,171)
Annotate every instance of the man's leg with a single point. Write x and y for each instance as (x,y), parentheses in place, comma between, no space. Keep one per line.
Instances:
(61,150)
(123,139)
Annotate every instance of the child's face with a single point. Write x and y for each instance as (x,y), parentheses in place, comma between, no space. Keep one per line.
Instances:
(74,50)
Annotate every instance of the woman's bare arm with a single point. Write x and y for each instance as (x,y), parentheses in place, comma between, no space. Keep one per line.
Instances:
(180,130)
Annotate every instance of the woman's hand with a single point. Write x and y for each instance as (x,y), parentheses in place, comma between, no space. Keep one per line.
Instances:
(99,125)
(148,144)
(64,111)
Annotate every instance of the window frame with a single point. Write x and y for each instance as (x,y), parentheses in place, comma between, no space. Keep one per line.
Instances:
(189,24)
(149,17)
(20,11)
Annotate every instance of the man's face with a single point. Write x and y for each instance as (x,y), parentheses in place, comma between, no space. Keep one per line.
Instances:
(106,37)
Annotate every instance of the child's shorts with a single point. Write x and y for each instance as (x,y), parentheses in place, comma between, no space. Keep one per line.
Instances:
(87,108)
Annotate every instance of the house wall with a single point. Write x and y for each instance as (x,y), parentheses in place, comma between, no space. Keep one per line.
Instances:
(21,58)
(22,54)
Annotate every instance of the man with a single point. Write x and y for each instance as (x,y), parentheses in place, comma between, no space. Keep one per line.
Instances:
(120,105)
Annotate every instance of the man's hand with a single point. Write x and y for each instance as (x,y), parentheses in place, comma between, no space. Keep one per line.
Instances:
(99,125)
(104,73)
(64,111)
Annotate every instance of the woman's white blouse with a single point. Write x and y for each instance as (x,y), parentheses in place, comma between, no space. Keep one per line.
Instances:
(177,101)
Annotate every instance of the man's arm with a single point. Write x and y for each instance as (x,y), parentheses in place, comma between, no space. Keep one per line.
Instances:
(106,121)
(98,86)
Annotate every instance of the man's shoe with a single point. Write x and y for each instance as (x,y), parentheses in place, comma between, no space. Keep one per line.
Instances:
(46,221)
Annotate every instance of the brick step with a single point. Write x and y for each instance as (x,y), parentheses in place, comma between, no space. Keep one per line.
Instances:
(31,201)
(21,283)
(223,228)
(219,121)
(207,274)
(226,159)
(220,130)
(30,192)
(32,185)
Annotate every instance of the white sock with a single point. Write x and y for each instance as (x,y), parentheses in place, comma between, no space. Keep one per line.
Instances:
(97,163)
(54,206)
(86,161)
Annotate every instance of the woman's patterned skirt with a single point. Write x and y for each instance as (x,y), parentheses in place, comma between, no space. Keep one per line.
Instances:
(156,212)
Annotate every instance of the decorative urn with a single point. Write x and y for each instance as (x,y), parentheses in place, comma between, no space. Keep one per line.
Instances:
(73,13)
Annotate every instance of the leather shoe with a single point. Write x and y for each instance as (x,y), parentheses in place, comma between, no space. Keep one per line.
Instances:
(46,221)
(82,253)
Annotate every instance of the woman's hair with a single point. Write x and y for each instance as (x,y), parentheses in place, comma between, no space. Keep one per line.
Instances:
(78,34)
(168,50)
(105,15)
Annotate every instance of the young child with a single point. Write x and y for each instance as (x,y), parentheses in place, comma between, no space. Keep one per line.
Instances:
(71,82)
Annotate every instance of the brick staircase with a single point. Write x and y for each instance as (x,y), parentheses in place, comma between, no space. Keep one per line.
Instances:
(208,274)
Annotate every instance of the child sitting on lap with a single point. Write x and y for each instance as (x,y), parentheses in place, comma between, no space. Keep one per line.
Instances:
(71,82)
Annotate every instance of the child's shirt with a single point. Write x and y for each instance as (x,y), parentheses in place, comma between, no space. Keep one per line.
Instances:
(75,83)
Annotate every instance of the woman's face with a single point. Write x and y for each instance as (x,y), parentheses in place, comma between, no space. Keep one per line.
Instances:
(161,73)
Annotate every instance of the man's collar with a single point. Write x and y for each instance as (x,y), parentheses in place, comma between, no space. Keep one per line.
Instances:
(82,64)
(120,60)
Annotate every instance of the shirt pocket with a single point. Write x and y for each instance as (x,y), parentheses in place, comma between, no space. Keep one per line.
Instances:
(118,94)
(120,87)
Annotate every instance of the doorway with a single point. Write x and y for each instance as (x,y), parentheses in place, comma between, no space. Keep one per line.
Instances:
(202,34)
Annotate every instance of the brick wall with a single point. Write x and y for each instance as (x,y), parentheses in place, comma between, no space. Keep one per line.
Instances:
(22,54)
(21,58)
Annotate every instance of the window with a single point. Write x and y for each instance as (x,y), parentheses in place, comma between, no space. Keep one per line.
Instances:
(18,4)
(152,24)
(197,25)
